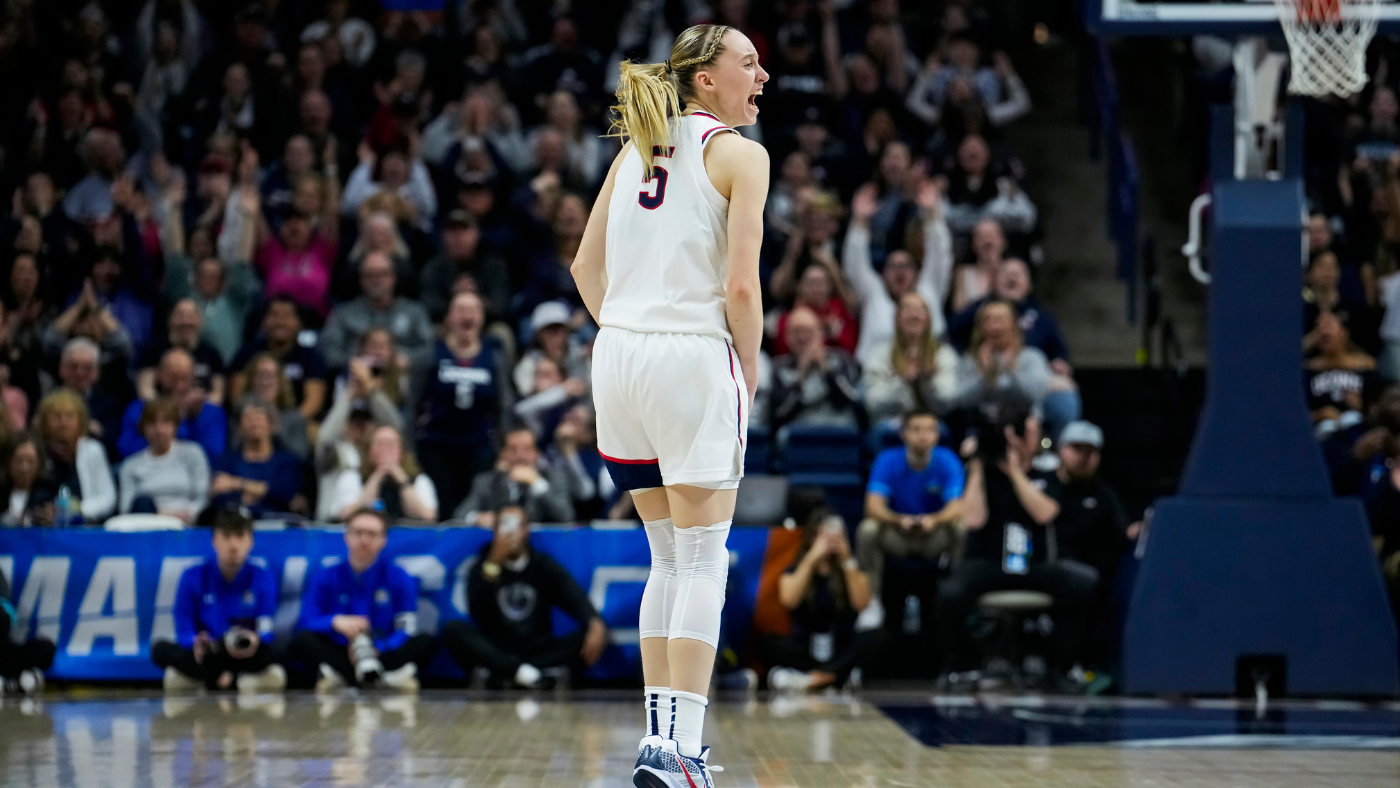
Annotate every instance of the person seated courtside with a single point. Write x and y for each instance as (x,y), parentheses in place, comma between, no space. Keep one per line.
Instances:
(360,616)
(511,592)
(1009,512)
(912,501)
(223,619)
(824,592)
(22,664)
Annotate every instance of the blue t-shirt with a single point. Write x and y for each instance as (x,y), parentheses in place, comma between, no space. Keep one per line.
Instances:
(206,602)
(917,492)
(384,593)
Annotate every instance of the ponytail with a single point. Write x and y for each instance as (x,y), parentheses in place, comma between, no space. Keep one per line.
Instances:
(646,101)
(649,95)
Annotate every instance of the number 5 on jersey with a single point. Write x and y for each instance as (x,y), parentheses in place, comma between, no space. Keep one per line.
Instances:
(650,198)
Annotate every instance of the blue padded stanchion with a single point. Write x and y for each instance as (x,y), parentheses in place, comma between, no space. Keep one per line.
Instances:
(1254,556)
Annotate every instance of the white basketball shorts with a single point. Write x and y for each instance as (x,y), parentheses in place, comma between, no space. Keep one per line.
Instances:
(672,409)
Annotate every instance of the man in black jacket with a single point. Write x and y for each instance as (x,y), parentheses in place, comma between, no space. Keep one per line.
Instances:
(1092,529)
(511,592)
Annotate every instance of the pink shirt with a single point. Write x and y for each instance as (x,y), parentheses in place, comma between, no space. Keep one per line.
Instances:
(303,276)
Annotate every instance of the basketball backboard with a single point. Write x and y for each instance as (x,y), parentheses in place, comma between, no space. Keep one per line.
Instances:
(1191,17)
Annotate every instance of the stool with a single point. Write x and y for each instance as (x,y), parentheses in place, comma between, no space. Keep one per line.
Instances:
(1012,609)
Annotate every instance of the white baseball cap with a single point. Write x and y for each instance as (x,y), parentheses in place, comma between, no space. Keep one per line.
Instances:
(1082,432)
(550,313)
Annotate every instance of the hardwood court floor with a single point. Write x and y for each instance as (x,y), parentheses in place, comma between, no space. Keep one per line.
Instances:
(454,739)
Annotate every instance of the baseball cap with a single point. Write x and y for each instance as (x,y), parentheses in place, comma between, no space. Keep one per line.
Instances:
(1082,432)
(550,313)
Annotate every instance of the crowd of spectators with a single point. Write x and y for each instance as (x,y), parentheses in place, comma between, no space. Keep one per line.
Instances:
(311,258)
(1351,294)
(329,245)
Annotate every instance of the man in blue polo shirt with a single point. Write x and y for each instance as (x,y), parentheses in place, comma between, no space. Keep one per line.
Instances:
(359,617)
(911,501)
(223,620)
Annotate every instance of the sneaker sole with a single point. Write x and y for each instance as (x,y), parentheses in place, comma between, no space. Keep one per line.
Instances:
(644,777)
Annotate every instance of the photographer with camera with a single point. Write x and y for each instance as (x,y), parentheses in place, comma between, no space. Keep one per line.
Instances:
(511,592)
(223,620)
(1009,511)
(360,616)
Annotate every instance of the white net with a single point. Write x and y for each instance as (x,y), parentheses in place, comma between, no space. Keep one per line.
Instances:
(1327,40)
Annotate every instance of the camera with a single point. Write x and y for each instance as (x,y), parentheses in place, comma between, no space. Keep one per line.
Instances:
(368,669)
(238,639)
(992,417)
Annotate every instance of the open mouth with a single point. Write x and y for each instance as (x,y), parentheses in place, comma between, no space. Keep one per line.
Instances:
(753,99)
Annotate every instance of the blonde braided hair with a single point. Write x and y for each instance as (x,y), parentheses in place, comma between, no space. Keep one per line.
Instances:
(649,94)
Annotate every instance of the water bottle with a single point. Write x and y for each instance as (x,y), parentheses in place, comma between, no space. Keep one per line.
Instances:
(912,622)
(63,508)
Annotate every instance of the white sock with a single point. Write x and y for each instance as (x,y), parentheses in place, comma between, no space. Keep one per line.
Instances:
(658,597)
(659,708)
(702,567)
(689,723)
(527,675)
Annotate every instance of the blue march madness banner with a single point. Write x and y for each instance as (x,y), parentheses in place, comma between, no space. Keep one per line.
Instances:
(103,598)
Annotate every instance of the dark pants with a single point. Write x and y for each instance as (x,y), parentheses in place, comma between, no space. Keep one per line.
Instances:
(1069,582)
(452,470)
(16,658)
(469,647)
(856,651)
(172,655)
(316,648)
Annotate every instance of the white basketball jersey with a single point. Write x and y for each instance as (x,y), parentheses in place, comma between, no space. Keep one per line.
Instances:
(668,239)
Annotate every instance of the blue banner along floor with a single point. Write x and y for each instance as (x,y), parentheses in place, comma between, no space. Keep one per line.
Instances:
(103,598)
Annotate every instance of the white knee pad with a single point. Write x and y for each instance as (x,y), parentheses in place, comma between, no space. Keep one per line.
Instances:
(702,568)
(659,595)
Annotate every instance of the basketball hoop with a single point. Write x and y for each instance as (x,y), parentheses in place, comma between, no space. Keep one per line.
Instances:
(1328,39)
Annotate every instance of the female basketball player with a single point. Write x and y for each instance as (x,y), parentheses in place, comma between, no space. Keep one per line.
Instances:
(669,269)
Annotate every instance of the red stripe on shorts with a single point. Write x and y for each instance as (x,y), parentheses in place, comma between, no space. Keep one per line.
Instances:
(627,462)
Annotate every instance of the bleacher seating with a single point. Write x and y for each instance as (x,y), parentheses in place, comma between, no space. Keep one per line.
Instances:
(823,450)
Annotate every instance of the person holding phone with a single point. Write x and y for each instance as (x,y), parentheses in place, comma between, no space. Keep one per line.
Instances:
(511,591)
(823,591)
(1008,511)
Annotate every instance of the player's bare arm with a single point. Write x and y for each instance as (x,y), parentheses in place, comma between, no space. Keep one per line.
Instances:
(739,169)
(590,267)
